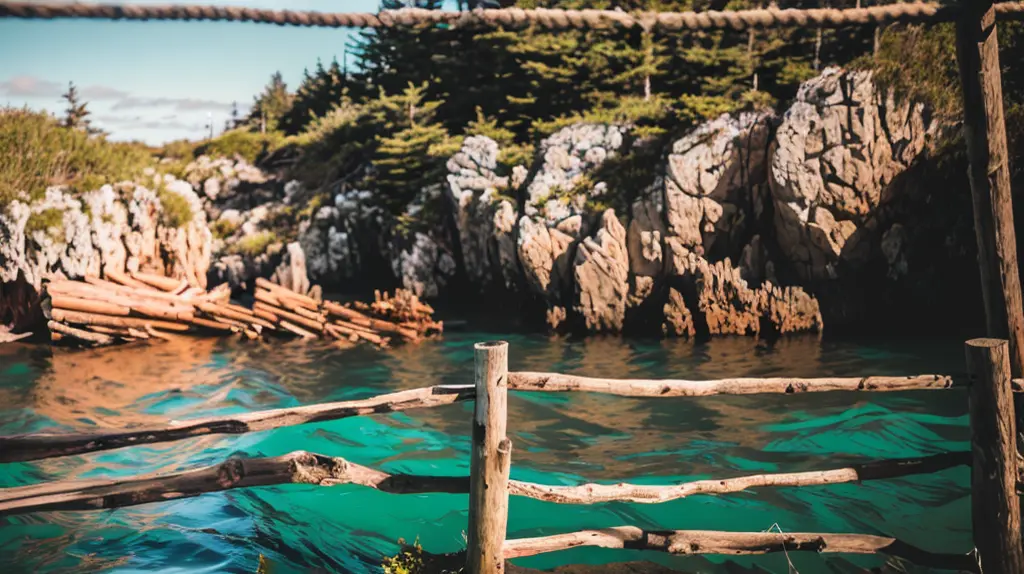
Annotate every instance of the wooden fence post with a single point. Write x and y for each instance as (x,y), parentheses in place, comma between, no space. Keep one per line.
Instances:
(490,461)
(989,172)
(995,508)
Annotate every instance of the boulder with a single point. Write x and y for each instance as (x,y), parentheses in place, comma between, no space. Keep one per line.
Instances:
(601,271)
(836,151)
(711,177)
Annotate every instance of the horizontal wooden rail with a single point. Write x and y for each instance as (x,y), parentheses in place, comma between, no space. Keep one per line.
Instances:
(554,382)
(47,445)
(653,494)
(735,543)
(298,467)
(515,18)
(309,468)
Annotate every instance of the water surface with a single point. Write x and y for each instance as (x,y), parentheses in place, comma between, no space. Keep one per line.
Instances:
(558,438)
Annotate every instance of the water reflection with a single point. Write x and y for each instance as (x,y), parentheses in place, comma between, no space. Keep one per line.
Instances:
(558,439)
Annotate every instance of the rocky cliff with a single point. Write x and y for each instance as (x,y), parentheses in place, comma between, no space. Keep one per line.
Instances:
(756,223)
(159,227)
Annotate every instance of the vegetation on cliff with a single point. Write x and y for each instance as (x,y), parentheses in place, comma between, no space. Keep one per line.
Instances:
(40,150)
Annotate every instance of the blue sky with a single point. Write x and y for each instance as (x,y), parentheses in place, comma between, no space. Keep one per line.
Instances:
(158,81)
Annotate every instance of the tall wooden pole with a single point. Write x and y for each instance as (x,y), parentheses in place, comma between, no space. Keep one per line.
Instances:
(995,510)
(490,461)
(985,134)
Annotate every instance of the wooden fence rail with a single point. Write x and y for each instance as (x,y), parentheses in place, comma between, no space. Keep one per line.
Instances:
(996,520)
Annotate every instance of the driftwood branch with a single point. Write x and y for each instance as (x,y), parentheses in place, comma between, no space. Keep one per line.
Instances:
(653,494)
(297,467)
(735,543)
(38,446)
(552,382)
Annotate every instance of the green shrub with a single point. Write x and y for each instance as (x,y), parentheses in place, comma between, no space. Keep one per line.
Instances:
(919,63)
(176,210)
(408,561)
(223,228)
(50,220)
(248,145)
(255,244)
(38,152)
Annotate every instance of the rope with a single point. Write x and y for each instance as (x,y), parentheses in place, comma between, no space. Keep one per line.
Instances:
(514,18)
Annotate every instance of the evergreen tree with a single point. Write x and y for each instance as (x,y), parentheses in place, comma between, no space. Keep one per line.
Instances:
(413,147)
(76,114)
(270,106)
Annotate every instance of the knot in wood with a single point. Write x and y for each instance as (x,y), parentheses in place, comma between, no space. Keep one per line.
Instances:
(230,473)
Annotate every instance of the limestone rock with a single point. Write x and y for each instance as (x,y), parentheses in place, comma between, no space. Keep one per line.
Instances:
(482,218)
(678,320)
(710,176)
(836,151)
(291,273)
(423,267)
(560,188)
(728,306)
(601,270)
(544,253)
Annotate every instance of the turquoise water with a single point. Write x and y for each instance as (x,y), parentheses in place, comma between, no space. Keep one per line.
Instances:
(559,439)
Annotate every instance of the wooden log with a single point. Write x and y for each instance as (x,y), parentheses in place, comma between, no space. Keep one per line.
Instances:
(122,332)
(490,459)
(310,324)
(135,299)
(358,318)
(354,327)
(655,494)
(989,173)
(98,338)
(46,445)
(690,542)
(225,311)
(995,508)
(215,325)
(118,277)
(122,290)
(297,330)
(297,467)
(238,309)
(552,382)
(279,291)
(303,312)
(341,332)
(168,284)
(79,318)
(266,316)
(88,306)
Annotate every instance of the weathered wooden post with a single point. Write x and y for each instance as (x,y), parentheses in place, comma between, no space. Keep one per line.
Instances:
(985,134)
(489,463)
(995,509)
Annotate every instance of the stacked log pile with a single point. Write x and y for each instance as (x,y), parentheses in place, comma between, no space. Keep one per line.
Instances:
(378,322)
(133,306)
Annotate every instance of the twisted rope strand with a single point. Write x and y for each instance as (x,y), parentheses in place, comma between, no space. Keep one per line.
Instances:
(515,18)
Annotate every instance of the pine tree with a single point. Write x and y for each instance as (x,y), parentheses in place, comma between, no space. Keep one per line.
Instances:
(76,114)
(413,147)
(271,105)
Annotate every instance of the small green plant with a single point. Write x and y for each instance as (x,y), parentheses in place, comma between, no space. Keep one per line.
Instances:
(48,220)
(176,210)
(223,228)
(255,244)
(251,146)
(408,561)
